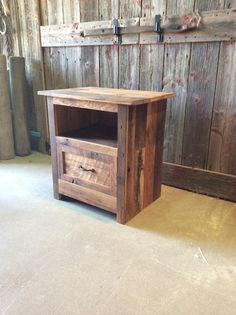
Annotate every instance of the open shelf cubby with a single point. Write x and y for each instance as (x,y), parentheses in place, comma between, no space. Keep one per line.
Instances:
(87,125)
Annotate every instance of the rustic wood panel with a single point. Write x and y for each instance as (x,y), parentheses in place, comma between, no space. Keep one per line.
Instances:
(136,67)
(140,144)
(89,11)
(109,55)
(53,132)
(96,198)
(215,25)
(74,156)
(31,50)
(152,56)
(201,181)
(176,71)
(222,156)
(129,55)
(200,98)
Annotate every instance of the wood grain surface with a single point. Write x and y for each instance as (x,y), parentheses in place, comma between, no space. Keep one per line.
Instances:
(109,95)
(140,144)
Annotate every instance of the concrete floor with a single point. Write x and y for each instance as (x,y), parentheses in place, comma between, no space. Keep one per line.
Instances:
(63,258)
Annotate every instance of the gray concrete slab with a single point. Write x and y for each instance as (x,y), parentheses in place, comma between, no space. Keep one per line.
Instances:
(63,258)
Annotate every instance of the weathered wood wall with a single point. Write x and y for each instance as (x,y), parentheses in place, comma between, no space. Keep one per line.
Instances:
(201,121)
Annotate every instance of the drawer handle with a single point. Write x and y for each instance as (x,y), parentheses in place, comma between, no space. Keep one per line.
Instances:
(86,169)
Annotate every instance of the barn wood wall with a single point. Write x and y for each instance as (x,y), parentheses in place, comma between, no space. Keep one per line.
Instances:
(201,120)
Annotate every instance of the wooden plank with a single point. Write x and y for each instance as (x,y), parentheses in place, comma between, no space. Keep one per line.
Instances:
(214,184)
(222,139)
(140,143)
(71,34)
(200,98)
(31,50)
(81,155)
(106,107)
(122,128)
(93,197)
(89,11)
(201,90)
(152,56)
(55,58)
(53,132)
(71,57)
(216,25)
(110,95)
(85,145)
(176,70)
(129,55)
(109,58)
(160,122)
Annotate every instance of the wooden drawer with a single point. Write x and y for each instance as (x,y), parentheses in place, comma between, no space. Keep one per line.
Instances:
(90,166)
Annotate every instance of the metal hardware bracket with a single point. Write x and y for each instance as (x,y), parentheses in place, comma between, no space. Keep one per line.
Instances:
(157,28)
(116,31)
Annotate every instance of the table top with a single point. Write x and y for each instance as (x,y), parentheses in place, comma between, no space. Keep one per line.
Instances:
(109,95)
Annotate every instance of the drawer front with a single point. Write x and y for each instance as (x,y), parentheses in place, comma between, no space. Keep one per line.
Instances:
(89,165)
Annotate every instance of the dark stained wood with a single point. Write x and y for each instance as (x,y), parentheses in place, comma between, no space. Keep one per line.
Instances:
(122,130)
(119,160)
(75,156)
(210,183)
(140,144)
(95,133)
(93,197)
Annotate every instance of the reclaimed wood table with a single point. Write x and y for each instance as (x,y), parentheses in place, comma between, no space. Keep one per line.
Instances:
(106,146)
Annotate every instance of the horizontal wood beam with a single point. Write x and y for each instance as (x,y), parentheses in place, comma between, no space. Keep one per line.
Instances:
(218,25)
(214,184)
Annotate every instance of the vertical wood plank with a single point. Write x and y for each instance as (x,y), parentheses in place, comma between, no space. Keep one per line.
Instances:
(71,14)
(222,156)
(122,129)
(200,98)
(176,68)
(129,55)
(89,11)
(152,56)
(55,57)
(201,90)
(140,148)
(53,133)
(109,55)
(31,50)
(160,123)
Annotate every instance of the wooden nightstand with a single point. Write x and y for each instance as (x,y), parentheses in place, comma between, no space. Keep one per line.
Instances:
(106,146)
